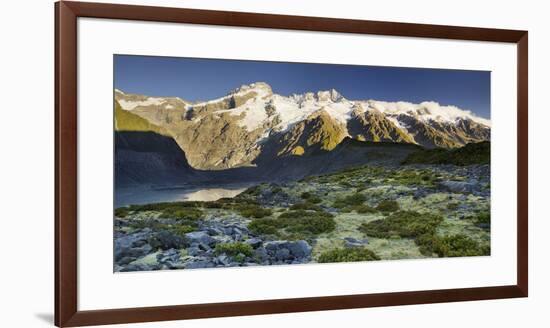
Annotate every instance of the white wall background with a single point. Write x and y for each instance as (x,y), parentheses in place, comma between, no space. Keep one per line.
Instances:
(26,166)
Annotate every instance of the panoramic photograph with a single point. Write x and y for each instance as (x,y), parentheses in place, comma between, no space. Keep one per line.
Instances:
(233,163)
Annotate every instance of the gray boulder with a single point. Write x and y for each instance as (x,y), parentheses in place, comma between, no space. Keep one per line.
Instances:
(170,258)
(299,249)
(139,267)
(353,242)
(126,260)
(458,186)
(199,263)
(199,237)
(261,254)
(222,260)
(195,250)
(254,242)
(420,193)
(222,239)
(132,245)
(273,246)
(282,251)
(282,254)
(166,240)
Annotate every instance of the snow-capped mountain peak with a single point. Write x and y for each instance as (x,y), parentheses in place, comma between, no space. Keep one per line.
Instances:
(320,96)
(261,88)
(329,95)
(426,111)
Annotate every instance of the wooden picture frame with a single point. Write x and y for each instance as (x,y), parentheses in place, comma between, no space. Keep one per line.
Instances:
(66,15)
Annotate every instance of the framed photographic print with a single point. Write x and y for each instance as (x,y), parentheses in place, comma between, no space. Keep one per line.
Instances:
(253,163)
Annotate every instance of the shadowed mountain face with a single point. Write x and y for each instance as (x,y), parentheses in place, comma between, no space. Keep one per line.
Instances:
(251,123)
(149,158)
(146,154)
(348,153)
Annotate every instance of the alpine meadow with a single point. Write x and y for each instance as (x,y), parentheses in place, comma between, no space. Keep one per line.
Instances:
(225,163)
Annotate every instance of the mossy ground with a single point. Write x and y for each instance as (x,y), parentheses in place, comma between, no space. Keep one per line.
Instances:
(357,203)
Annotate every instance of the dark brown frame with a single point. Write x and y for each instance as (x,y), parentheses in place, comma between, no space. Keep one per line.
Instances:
(66,14)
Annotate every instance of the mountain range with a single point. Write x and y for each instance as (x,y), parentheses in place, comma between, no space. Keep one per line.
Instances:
(252,124)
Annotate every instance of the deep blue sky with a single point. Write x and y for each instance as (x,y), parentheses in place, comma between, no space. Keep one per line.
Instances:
(204,79)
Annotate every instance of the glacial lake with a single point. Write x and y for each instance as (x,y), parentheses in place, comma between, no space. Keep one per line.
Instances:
(135,196)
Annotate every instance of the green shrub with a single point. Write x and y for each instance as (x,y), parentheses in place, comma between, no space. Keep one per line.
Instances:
(354,199)
(387,206)
(237,203)
(450,246)
(181,213)
(413,177)
(458,245)
(148,223)
(239,257)
(182,229)
(252,191)
(254,211)
(315,200)
(122,212)
(296,224)
(305,222)
(363,209)
(306,206)
(408,224)
(234,249)
(214,204)
(311,225)
(426,243)
(355,254)
(472,153)
(452,206)
(159,207)
(306,195)
(483,218)
(172,210)
(264,226)
(293,214)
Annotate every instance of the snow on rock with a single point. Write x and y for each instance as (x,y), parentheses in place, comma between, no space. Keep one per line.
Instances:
(132,104)
(426,111)
(290,111)
(254,114)
(341,111)
(262,90)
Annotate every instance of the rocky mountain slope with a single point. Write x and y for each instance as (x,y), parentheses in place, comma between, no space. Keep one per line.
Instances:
(252,124)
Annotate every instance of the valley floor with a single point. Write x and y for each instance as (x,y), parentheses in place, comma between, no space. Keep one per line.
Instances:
(359,214)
